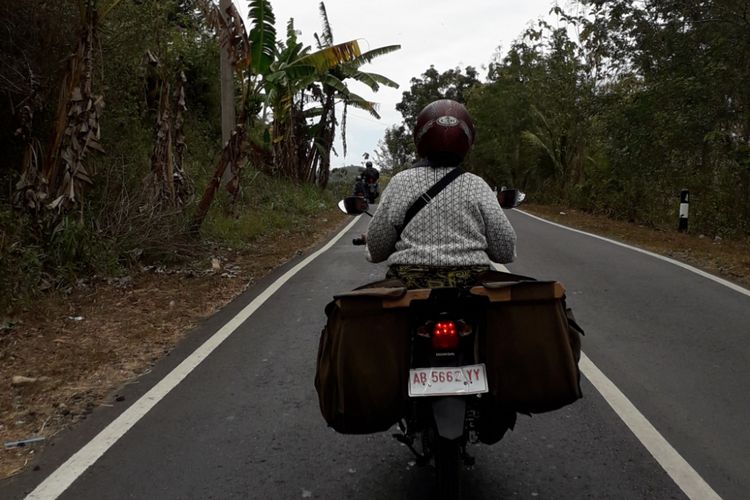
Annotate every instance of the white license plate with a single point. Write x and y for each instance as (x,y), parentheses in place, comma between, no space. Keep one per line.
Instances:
(447,381)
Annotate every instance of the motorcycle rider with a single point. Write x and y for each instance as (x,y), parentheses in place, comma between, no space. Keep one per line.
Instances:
(453,238)
(371,176)
(360,186)
(371,173)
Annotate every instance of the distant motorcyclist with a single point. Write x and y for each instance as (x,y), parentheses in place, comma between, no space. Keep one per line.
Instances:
(453,238)
(371,173)
(360,186)
(371,176)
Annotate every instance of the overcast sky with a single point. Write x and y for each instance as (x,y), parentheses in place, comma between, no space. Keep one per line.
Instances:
(444,33)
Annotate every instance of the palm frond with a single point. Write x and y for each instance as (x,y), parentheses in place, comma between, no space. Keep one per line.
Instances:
(368,56)
(361,77)
(330,57)
(372,80)
(335,83)
(262,36)
(536,142)
(313,112)
(327,33)
(358,102)
(291,33)
(292,72)
(382,80)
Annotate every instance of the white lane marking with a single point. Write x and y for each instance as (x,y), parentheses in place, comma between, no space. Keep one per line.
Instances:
(57,482)
(677,263)
(681,472)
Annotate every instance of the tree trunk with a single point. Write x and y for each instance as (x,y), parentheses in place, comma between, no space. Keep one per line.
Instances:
(228,119)
(231,155)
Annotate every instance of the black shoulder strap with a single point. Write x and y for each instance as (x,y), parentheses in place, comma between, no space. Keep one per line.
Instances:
(427,197)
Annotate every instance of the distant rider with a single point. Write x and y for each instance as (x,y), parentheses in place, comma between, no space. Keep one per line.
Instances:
(371,173)
(371,176)
(360,186)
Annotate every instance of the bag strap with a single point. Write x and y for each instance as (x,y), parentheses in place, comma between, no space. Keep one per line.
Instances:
(427,197)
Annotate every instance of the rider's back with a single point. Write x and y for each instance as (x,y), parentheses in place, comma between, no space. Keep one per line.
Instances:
(455,235)
(462,226)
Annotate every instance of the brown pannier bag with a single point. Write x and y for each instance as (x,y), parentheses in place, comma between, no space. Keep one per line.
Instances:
(363,361)
(529,343)
(531,346)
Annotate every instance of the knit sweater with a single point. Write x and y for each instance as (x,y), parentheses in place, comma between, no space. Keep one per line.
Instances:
(462,226)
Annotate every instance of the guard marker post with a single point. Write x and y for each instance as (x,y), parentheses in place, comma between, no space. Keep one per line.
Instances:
(682,225)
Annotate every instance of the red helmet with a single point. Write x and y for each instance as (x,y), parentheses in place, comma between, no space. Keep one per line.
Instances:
(444,132)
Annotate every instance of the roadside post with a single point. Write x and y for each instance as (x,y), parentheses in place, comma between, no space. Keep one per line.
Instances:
(682,224)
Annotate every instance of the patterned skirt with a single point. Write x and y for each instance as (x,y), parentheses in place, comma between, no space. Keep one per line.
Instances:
(435,277)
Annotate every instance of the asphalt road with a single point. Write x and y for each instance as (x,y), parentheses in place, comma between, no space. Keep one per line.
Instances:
(245,423)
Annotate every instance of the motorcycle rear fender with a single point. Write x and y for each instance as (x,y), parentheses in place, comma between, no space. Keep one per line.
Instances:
(449,414)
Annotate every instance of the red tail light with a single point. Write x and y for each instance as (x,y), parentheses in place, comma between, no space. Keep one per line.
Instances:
(444,336)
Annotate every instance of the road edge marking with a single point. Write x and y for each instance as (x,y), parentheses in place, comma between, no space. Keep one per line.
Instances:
(688,267)
(682,473)
(61,478)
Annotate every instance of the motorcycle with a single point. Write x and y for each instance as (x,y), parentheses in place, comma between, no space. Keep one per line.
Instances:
(447,379)
(366,188)
(371,190)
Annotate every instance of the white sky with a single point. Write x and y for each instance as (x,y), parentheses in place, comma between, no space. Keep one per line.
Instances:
(445,33)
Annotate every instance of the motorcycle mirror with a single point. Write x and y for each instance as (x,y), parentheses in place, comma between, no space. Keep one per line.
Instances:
(510,198)
(353,205)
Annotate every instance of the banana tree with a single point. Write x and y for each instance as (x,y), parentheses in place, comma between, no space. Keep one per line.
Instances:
(335,91)
(318,86)
(299,86)
(66,171)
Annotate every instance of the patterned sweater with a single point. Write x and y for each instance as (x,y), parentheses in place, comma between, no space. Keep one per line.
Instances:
(462,226)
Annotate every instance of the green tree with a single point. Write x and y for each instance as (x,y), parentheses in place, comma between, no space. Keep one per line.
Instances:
(397,147)
(534,116)
(395,151)
(677,113)
(451,84)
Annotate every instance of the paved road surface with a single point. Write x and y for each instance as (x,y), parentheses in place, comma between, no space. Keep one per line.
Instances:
(245,422)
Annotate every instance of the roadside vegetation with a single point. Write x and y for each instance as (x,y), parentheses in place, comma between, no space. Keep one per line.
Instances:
(137,195)
(111,133)
(612,107)
(125,218)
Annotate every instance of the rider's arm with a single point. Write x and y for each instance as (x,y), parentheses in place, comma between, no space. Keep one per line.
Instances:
(381,233)
(501,238)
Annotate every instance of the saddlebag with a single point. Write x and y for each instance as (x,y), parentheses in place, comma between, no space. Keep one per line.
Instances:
(363,361)
(530,344)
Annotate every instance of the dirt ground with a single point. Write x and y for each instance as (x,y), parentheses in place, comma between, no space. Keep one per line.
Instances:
(70,353)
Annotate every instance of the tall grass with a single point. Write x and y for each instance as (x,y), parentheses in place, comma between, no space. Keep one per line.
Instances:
(268,206)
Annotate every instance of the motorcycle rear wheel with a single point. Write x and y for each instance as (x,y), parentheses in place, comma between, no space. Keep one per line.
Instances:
(448,465)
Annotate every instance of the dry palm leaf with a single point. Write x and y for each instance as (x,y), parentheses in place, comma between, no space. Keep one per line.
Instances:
(77,131)
(230,29)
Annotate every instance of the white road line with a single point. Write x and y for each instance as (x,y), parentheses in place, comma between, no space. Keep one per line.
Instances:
(57,482)
(681,472)
(677,263)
